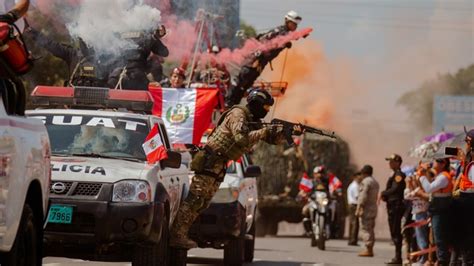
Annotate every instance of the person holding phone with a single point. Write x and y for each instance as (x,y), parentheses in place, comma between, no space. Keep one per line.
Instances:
(440,207)
(466,200)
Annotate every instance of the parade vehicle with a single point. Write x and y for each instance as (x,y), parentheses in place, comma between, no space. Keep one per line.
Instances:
(107,202)
(24,187)
(24,153)
(229,222)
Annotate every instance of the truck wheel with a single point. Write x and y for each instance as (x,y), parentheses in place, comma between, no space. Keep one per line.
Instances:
(234,250)
(27,246)
(250,245)
(177,257)
(154,254)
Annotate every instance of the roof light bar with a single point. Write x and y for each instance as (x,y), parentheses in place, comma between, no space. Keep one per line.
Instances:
(91,98)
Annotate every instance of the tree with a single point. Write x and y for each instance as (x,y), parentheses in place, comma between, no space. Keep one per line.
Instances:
(419,102)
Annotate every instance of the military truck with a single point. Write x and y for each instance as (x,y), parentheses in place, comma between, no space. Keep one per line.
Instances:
(273,206)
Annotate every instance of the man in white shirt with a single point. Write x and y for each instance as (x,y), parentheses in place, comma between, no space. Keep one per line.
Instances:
(352,194)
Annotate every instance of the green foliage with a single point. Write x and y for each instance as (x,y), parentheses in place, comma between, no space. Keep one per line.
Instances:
(419,102)
(248,30)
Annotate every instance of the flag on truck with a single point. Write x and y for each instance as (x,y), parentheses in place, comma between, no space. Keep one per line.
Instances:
(186,113)
(154,149)
(306,184)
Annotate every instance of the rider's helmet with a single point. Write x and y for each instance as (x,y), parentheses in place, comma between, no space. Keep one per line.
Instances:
(259,102)
(320,169)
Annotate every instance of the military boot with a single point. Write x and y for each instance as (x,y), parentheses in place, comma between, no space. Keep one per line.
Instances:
(368,252)
(395,261)
(183,243)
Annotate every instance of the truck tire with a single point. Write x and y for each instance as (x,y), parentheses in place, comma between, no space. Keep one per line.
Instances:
(153,254)
(26,250)
(177,257)
(234,251)
(249,249)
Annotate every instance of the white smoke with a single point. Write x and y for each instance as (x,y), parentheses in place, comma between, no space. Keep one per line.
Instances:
(101,23)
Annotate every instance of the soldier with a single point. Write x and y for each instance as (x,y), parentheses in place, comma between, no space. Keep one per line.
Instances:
(367,209)
(236,132)
(252,69)
(176,79)
(81,60)
(133,75)
(297,166)
(393,196)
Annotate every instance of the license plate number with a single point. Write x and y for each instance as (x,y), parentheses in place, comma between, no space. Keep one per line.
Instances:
(61,214)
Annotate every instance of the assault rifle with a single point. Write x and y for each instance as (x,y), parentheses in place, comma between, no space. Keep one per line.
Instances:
(289,126)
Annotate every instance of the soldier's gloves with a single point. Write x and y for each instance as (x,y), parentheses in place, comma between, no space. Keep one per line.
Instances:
(456,193)
(288,45)
(297,130)
(258,54)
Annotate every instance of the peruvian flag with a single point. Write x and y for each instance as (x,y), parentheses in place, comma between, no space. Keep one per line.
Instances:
(306,184)
(154,149)
(186,112)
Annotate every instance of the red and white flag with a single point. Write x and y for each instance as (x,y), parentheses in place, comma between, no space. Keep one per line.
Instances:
(186,113)
(154,149)
(306,184)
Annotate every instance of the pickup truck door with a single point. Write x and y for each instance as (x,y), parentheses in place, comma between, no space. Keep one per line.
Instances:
(174,180)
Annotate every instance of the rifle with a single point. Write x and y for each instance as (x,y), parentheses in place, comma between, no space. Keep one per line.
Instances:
(288,129)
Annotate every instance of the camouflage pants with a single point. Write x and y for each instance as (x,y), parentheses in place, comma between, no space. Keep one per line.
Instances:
(201,191)
(367,225)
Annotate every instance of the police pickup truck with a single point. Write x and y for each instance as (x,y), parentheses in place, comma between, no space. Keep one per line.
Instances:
(107,202)
(229,222)
(24,186)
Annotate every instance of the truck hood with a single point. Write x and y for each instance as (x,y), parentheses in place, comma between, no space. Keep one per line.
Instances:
(94,169)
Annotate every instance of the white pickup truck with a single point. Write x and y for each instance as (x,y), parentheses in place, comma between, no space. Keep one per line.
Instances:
(107,202)
(24,187)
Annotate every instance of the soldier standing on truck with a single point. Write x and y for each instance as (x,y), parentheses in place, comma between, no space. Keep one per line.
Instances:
(297,166)
(81,60)
(252,69)
(236,132)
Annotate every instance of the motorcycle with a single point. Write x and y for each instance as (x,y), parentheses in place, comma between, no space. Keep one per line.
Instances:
(318,210)
(15,60)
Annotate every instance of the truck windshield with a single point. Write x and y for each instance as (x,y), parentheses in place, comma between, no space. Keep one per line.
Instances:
(111,137)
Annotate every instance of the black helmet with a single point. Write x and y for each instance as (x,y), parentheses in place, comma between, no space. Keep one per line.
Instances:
(256,100)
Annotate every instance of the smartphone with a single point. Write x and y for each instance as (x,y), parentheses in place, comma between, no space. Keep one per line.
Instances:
(451,151)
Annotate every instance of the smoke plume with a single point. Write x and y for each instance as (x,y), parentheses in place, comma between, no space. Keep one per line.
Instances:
(101,23)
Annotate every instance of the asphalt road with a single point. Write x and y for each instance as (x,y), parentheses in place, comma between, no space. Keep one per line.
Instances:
(289,249)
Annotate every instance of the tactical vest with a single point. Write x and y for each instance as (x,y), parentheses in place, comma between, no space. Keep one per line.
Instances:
(230,146)
(449,187)
(466,183)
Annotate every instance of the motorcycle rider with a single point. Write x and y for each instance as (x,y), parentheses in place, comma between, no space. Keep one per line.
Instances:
(254,67)
(320,183)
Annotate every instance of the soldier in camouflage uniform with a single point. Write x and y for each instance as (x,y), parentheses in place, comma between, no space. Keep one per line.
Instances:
(236,132)
(367,209)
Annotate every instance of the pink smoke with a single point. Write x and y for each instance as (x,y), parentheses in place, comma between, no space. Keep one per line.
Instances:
(239,56)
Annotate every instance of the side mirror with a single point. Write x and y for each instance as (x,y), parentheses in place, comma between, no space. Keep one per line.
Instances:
(252,171)
(173,160)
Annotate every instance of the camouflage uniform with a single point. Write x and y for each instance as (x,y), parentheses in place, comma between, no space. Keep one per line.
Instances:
(367,202)
(232,137)
(297,166)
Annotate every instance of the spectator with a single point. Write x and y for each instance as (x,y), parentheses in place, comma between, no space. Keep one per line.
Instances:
(419,199)
(441,198)
(352,194)
(367,209)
